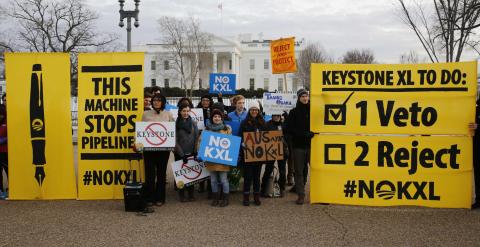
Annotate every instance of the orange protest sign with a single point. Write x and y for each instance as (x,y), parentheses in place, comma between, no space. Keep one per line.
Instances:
(282,52)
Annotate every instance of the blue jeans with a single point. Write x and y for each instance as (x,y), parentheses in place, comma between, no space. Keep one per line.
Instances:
(214,175)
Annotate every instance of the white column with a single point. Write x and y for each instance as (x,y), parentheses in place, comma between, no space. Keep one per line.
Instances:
(234,68)
(215,63)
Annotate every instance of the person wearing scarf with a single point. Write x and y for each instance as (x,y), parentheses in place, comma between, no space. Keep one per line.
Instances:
(156,161)
(252,123)
(218,172)
(186,138)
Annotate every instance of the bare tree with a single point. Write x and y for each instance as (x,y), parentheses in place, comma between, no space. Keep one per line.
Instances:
(358,57)
(57,25)
(312,53)
(410,57)
(447,30)
(187,44)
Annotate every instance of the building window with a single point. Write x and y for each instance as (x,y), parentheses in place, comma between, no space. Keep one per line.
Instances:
(166,65)
(230,64)
(295,85)
(252,84)
(266,64)
(154,82)
(280,84)
(252,64)
(153,65)
(166,83)
(265,84)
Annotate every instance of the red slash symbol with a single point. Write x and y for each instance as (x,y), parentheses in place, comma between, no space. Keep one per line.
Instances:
(189,168)
(154,128)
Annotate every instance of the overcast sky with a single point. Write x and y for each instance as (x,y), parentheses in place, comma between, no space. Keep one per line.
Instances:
(338,25)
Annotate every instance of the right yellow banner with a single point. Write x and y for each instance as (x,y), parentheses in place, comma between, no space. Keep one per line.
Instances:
(393,134)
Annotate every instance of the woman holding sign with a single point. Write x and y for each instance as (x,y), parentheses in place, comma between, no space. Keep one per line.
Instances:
(156,161)
(218,172)
(186,139)
(253,123)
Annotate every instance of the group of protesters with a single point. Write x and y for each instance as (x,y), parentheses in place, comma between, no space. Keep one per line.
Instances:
(235,119)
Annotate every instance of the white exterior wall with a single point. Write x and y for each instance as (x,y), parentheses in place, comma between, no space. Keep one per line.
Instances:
(224,48)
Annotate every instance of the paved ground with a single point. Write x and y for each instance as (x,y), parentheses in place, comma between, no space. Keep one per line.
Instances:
(278,222)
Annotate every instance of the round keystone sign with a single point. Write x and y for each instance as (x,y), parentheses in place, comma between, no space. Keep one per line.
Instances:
(155,128)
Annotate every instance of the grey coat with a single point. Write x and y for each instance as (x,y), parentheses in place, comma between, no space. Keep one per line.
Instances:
(185,142)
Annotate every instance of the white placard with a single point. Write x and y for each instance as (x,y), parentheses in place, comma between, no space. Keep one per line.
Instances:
(277,103)
(155,135)
(190,172)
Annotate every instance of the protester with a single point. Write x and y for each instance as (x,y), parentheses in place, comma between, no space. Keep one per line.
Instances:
(298,125)
(476,156)
(184,101)
(206,103)
(3,147)
(252,123)
(186,139)
(156,161)
(238,115)
(276,124)
(147,99)
(218,172)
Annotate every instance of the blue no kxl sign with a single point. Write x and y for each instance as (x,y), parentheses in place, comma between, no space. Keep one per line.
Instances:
(222,83)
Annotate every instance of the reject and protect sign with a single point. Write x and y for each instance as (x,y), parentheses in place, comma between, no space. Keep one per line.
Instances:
(282,53)
(222,83)
(418,150)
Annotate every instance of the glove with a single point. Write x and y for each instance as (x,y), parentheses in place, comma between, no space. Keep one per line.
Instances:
(185,159)
(309,134)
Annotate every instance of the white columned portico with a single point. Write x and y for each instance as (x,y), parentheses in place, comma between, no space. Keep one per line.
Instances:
(215,63)
(234,63)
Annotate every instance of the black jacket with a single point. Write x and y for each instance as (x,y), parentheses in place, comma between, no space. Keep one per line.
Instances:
(298,125)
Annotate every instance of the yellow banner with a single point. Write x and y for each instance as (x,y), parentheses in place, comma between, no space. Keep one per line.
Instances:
(394,99)
(428,171)
(39,124)
(282,52)
(110,93)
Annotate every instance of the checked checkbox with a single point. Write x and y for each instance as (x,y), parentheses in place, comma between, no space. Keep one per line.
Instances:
(335,114)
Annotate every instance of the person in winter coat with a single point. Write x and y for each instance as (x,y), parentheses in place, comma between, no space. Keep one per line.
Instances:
(476,155)
(186,140)
(276,124)
(252,123)
(156,161)
(298,125)
(3,149)
(219,172)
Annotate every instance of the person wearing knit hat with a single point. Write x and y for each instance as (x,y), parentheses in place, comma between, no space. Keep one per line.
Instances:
(254,105)
(218,172)
(298,126)
(301,92)
(253,122)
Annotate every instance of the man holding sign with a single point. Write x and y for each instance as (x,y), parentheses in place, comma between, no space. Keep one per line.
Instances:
(222,83)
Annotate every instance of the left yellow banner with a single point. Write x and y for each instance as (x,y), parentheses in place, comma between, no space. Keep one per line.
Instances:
(110,89)
(39,124)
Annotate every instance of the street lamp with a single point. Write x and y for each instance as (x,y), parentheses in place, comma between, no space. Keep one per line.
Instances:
(129,14)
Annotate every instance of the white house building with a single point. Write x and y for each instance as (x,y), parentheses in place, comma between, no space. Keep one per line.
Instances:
(248,59)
